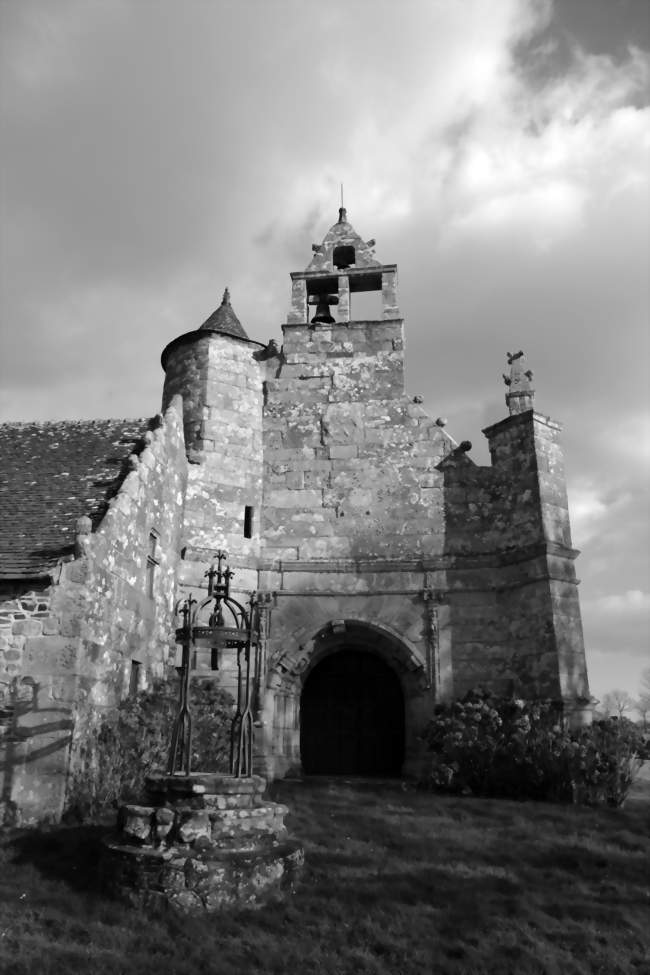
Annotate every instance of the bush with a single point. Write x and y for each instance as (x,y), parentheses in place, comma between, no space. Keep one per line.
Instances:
(133,740)
(506,748)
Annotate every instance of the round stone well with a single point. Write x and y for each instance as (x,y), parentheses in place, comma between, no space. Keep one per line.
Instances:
(201,842)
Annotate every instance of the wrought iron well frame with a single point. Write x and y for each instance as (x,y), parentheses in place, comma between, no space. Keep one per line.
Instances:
(216,636)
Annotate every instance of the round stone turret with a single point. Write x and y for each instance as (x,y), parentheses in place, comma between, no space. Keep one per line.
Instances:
(215,370)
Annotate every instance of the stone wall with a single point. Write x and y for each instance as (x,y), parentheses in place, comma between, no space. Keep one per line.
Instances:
(108,615)
(124,585)
(37,656)
(350,461)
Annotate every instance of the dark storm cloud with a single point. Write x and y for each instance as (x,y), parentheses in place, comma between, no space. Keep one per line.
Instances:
(155,152)
(596,27)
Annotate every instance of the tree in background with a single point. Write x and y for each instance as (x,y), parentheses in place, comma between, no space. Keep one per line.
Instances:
(617,702)
(643,702)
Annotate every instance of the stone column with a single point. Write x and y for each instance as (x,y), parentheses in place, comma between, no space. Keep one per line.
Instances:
(433,643)
(389,294)
(264,620)
(344,298)
(298,313)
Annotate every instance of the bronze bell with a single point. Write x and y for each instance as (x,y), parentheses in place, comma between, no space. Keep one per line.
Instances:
(322,315)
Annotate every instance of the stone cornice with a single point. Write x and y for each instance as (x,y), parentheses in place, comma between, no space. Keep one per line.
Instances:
(452,560)
(201,333)
(521,419)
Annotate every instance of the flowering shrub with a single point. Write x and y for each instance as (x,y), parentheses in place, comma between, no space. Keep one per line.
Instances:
(133,740)
(488,746)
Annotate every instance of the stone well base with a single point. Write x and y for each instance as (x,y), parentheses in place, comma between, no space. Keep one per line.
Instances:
(200,843)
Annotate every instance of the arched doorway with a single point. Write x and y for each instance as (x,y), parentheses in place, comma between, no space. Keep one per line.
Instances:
(352,716)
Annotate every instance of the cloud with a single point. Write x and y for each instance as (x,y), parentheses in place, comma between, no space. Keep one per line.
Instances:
(632,601)
(587,511)
(495,152)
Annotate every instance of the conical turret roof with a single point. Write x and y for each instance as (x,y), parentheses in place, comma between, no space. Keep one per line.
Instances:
(224,320)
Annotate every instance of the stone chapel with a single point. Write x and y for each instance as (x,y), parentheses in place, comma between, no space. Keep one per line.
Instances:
(391,571)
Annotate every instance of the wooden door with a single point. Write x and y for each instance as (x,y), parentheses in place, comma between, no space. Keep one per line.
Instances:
(352,717)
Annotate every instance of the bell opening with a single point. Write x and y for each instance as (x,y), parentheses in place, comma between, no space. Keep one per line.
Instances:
(343,256)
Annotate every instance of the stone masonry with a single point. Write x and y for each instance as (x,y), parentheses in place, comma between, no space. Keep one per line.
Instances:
(389,566)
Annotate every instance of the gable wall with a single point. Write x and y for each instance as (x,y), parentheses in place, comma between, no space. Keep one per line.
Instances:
(77,652)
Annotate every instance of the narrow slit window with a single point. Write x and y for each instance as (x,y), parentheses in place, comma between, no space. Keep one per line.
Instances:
(134,678)
(152,562)
(248,521)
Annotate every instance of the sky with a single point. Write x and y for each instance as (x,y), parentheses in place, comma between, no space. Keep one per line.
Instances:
(154,152)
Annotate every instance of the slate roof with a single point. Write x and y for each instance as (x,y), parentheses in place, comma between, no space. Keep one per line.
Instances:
(50,475)
(224,320)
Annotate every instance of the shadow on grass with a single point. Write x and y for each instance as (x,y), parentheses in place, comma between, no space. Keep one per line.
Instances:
(66,854)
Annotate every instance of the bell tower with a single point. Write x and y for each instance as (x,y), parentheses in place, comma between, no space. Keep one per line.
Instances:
(342,265)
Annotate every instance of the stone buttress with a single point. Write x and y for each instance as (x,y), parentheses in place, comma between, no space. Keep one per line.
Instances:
(512,587)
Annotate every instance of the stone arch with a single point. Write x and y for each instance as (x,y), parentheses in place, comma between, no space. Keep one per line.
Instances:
(290,670)
(308,646)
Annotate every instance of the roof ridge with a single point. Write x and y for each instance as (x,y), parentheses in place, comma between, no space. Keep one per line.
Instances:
(44,423)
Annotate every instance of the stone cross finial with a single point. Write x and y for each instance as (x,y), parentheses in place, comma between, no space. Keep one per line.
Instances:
(521,394)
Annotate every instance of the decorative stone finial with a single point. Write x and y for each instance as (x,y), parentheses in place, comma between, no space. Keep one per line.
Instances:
(82,528)
(521,394)
(226,297)
(343,215)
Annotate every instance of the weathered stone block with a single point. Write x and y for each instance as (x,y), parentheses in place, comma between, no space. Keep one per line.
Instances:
(31,627)
(192,824)
(136,822)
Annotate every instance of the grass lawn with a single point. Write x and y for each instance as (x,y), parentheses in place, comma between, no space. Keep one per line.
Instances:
(396,882)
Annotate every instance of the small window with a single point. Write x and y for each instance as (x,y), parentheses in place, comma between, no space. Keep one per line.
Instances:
(248,521)
(343,256)
(134,678)
(152,562)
